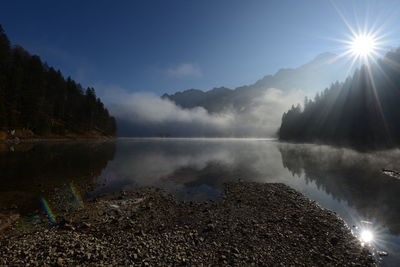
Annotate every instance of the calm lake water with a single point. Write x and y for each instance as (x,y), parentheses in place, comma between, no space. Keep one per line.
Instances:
(342,180)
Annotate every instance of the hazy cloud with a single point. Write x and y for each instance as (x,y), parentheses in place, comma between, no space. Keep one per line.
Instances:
(184,70)
(146,114)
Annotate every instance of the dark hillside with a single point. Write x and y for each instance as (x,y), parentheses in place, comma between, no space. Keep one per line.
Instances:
(363,112)
(36,100)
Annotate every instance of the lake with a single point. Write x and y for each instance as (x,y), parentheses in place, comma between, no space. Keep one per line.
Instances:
(345,181)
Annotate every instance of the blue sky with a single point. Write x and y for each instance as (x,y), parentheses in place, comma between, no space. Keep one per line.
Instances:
(166,46)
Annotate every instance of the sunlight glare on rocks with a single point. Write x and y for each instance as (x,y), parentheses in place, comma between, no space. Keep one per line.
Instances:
(366,236)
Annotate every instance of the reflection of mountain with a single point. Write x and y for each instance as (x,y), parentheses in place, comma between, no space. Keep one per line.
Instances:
(210,178)
(187,166)
(311,77)
(350,176)
(34,170)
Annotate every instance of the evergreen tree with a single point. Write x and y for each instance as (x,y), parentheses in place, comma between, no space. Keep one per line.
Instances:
(362,112)
(37,97)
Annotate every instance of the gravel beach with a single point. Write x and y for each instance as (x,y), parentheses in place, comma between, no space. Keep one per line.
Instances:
(253,224)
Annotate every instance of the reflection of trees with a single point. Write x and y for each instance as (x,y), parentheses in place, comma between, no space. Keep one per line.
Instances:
(349,176)
(35,170)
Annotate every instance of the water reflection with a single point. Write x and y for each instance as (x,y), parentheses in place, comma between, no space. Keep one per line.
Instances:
(352,177)
(347,182)
(361,193)
(31,171)
(191,169)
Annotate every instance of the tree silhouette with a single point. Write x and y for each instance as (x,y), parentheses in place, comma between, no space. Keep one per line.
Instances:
(37,97)
(362,112)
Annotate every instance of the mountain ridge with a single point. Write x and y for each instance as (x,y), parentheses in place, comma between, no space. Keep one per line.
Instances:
(311,77)
(253,110)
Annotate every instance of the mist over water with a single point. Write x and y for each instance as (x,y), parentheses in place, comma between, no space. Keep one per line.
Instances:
(345,181)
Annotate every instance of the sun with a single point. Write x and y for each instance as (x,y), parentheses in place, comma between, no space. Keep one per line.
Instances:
(363,45)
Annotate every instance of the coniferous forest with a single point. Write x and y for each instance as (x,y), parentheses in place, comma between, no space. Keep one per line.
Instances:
(362,112)
(37,98)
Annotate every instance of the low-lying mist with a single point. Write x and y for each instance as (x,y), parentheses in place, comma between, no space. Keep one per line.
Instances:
(146,114)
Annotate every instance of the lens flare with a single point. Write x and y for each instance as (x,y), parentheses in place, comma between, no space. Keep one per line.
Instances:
(47,209)
(76,195)
(365,41)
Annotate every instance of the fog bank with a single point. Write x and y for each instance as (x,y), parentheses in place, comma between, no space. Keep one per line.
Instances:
(146,114)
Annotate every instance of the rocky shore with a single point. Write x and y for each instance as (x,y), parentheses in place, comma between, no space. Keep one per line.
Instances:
(23,135)
(252,225)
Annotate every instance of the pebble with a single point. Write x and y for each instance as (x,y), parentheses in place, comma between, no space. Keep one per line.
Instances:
(255,224)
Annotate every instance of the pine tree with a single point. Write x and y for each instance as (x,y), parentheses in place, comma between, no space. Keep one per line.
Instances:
(362,112)
(35,96)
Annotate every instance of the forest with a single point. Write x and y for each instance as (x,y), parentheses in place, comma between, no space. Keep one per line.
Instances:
(362,112)
(38,98)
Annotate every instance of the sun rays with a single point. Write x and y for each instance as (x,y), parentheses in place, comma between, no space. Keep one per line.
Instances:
(363,45)
(363,48)
(367,37)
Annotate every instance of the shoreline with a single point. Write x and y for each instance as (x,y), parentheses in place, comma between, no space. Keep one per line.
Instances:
(253,224)
(26,136)
(54,139)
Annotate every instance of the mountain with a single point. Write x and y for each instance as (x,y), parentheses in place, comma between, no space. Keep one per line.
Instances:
(316,75)
(196,98)
(363,112)
(248,111)
(36,100)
